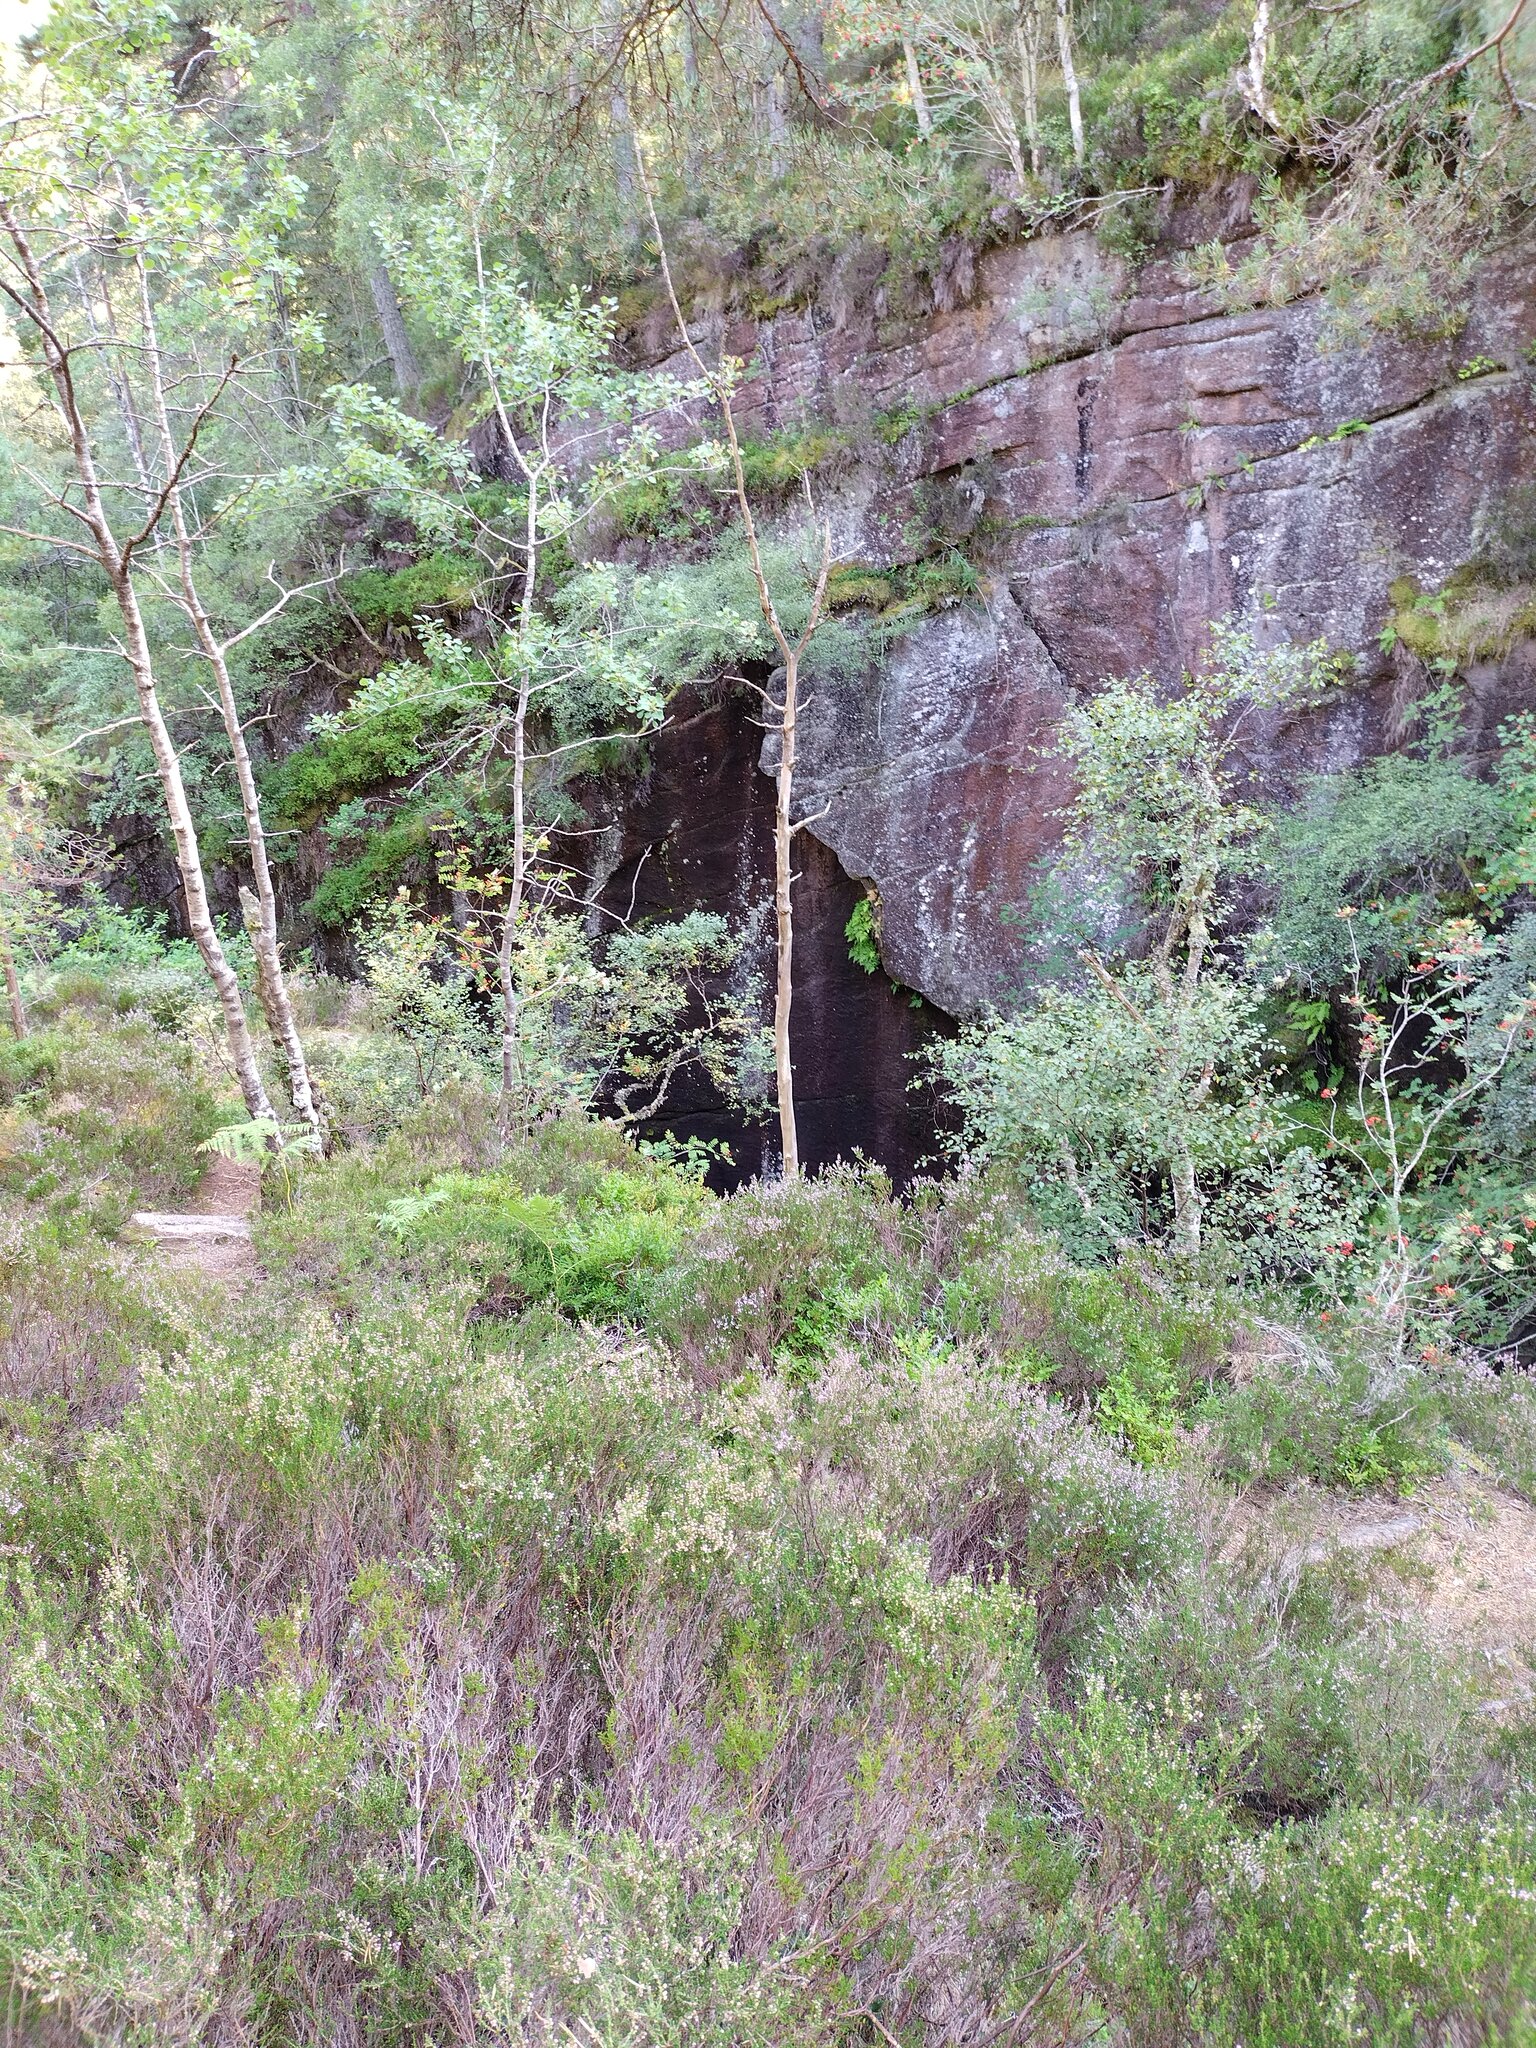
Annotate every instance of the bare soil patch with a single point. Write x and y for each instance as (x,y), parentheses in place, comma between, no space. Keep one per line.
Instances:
(1458,1555)
(212,1235)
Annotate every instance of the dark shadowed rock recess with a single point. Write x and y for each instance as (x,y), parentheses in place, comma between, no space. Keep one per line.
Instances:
(695,832)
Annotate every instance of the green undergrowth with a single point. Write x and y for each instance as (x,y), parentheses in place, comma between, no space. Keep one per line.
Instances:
(97,1121)
(348,887)
(905,591)
(324,771)
(573,1223)
(1473,616)
(558,1590)
(438,582)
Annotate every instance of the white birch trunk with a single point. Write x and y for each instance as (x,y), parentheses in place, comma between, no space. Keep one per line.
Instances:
(920,105)
(271,983)
(784,918)
(1069,76)
(116,563)
(12,987)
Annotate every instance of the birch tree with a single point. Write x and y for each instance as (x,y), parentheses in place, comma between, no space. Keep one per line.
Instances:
(567,432)
(138,247)
(783,711)
(959,62)
(1069,78)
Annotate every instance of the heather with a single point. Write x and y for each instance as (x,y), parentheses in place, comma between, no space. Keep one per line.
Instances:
(775,1620)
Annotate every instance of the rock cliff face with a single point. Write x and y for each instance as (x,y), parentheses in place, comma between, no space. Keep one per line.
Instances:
(1124,461)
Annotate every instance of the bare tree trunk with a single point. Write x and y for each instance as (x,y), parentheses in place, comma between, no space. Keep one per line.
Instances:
(776,100)
(691,158)
(119,385)
(1069,75)
(116,562)
(1187,1204)
(12,986)
(784,919)
(1028,36)
(624,157)
(397,339)
(920,105)
(1255,90)
(188,857)
(511,1005)
(271,984)
(792,652)
(511,1000)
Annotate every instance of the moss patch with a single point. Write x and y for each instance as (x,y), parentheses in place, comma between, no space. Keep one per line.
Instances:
(1469,618)
(907,591)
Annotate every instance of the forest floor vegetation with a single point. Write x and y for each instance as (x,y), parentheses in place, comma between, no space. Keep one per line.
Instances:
(551,1601)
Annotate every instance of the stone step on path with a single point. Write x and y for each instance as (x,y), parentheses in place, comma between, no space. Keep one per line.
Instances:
(185,1228)
(212,1235)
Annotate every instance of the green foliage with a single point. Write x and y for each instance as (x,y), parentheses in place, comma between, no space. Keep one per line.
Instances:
(1090,1093)
(788,1271)
(1472,617)
(349,888)
(1382,1921)
(1332,1420)
(555,1602)
(862,931)
(1129,1096)
(1279,1702)
(908,591)
(421,993)
(815,1518)
(689,622)
(78,1318)
(1494,1415)
(598,1257)
(775,467)
(120,962)
(437,582)
(1396,840)
(630,1940)
(345,761)
(651,506)
(1118,1345)
(27,1063)
(99,1122)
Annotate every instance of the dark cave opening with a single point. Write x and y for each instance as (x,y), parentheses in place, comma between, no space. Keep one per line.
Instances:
(696,833)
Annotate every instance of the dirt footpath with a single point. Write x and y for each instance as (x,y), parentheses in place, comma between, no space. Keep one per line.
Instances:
(212,1235)
(1459,1555)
